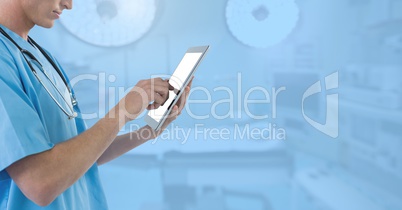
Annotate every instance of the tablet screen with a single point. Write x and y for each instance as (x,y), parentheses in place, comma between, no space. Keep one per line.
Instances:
(184,69)
(178,79)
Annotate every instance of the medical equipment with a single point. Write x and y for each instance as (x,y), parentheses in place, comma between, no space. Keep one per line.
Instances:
(261,23)
(26,53)
(110,23)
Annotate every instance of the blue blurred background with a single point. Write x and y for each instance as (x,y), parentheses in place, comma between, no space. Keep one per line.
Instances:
(338,149)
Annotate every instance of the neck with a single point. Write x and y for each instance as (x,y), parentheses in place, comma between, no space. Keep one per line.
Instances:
(13,17)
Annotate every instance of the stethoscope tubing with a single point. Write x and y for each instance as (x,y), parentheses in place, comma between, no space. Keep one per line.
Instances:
(23,52)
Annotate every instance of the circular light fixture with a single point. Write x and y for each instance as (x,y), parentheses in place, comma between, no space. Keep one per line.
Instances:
(110,22)
(261,23)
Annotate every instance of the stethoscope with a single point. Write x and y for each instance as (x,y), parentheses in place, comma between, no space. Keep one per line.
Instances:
(72,114)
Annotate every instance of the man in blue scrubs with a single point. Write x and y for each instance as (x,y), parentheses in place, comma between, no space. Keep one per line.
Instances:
(48,159)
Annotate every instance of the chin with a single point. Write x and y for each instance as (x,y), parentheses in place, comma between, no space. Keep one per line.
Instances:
(46,24)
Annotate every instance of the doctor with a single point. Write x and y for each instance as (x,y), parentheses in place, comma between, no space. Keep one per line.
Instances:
(48,159)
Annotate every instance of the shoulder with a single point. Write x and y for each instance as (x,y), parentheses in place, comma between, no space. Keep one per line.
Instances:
(8,60)
(6,51)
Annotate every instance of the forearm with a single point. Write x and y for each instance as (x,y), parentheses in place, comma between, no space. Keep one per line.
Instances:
(42,177)
(125,143)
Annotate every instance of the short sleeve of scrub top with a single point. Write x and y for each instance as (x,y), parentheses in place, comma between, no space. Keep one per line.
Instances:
(31,123)
(22,132)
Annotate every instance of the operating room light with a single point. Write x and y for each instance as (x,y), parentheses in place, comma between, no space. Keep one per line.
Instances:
(110,22)
(261,23)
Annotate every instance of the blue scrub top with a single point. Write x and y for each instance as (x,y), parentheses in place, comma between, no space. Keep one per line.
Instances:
(31,122)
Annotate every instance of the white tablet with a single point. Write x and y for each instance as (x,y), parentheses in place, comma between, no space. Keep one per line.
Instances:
(179,80)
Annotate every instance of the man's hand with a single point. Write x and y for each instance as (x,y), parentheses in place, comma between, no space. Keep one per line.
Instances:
(129,141)
(176,111)
(150,93)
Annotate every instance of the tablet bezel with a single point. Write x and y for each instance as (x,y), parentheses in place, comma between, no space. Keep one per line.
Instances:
(157,125)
